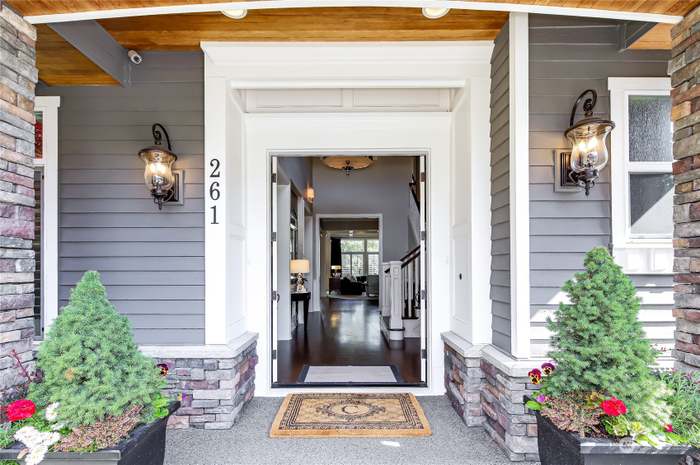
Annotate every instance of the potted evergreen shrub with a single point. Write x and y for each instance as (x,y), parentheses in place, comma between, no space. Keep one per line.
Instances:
(95,398)
(600,403)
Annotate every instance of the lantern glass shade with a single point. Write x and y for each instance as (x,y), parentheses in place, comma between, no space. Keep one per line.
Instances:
(589,148)
(158,176)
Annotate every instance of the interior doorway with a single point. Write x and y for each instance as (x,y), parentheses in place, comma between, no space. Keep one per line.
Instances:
(351,309)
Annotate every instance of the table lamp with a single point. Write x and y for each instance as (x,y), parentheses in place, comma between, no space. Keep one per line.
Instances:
(299,267)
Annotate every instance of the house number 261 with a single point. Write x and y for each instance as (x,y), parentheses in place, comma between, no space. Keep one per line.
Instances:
(214,186)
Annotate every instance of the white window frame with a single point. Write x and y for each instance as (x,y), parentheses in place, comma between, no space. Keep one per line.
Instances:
(48,106)
(637,254)
(365,254)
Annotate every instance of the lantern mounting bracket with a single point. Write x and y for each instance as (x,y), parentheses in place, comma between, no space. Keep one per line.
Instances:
(588,104)
(158,135)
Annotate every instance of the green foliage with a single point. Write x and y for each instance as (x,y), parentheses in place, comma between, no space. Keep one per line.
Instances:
(598,342)
(7,432)
(684,401)
(90,363)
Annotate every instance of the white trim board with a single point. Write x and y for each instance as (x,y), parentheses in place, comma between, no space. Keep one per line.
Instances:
(49,230)
(519,138)
(269,4)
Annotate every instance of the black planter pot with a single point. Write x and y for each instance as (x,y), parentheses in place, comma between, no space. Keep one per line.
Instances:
(145,446)
(558,447)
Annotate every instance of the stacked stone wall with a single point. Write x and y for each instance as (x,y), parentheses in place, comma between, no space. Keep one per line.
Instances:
(463,383)
(18,76)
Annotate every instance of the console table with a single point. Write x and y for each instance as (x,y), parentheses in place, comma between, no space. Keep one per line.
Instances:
(304,297)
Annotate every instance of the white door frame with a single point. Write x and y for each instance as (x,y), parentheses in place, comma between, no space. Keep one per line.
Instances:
(237,278)
(317,248)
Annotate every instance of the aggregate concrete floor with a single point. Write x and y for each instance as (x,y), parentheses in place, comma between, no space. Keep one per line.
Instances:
(248,443)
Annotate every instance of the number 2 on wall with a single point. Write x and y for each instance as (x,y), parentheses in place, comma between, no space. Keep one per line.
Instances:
(214,186)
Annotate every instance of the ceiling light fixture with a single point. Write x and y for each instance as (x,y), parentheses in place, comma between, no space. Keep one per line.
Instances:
(435,13)
(235,14)
(347,164)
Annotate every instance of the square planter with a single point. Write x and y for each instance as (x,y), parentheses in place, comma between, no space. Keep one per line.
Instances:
(145,446)
(558,447)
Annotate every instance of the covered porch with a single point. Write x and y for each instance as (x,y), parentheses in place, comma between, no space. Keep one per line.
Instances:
(484,92)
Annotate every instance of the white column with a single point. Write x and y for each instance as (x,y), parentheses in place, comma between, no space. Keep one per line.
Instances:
(395,320)
(519,185)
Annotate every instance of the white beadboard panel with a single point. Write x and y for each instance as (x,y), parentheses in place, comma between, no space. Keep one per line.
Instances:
(500,197)
(151,262)
(567,56)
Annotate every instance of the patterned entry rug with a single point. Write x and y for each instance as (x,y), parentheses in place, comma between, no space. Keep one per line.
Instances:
(323,415)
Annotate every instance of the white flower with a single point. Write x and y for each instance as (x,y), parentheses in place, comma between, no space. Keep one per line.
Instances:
(52,412)
(36,455)
(37,443)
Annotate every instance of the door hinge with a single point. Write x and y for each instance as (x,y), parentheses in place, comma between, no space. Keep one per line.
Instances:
(423,294)
(274,237)
(422,176)
(275,296)
(274,177)
(423,235)
(424,354)
(274,354)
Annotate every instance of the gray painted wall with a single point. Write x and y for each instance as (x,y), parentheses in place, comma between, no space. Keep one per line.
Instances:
(567,56)
(381,188)
(298,169)
(151,262)
(500,194)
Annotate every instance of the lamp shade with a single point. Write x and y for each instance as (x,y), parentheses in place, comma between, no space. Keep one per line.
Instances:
(299,266)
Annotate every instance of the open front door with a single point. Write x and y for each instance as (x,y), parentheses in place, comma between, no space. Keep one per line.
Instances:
(273,250)
(423,270)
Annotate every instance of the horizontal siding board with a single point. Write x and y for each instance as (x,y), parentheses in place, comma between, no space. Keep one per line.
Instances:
(151,261)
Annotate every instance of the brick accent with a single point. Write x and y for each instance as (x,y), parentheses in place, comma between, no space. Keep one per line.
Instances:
(212,391)
(18,76)
(507,421)
(463,382)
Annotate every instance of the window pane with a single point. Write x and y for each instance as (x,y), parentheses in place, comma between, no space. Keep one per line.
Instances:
(347,270)
(352,245)
(651,204)
(372,264)
(372,245)
(358,265)
(650,128)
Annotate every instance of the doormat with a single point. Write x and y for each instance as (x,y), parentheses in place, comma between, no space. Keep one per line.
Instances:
(350,374)
(325,415)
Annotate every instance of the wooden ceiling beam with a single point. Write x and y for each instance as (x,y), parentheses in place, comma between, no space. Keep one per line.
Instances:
(96,44)
(49,11)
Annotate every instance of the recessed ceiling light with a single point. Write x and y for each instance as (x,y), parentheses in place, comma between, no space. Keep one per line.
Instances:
(435,13)
(235,14)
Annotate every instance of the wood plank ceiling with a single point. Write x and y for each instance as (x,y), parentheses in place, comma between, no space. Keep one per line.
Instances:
(61,64)
(39,7)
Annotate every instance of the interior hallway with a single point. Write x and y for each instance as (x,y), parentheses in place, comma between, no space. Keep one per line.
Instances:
(344,332)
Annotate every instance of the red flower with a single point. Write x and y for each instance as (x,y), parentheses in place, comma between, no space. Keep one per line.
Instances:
(548,368)
(669,428)
(535,376)
(20,410)
(164,369)
(613,407)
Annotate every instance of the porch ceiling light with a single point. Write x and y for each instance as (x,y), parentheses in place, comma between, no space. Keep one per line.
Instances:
(158,176)
(588,136)
(435,13)
(347,164)
(235,14)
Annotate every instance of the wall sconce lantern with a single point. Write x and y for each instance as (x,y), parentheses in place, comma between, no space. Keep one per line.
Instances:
(159,176)
(588,136)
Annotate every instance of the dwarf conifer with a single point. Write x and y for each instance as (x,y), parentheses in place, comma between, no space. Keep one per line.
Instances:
(90,363)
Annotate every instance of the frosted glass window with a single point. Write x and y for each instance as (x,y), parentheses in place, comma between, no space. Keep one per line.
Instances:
(650,128)
(651,204)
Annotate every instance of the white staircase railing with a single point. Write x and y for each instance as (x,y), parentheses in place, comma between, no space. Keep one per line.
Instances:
(400,299)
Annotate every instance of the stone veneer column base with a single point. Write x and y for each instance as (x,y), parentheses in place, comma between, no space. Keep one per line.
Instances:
(483,393)
(213,384)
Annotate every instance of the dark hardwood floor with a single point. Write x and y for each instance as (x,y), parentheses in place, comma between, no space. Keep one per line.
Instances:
(344,332)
